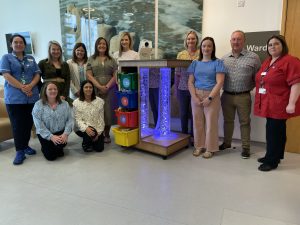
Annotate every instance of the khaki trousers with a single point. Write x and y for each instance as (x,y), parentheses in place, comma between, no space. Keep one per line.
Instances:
(242,105)
(206,122)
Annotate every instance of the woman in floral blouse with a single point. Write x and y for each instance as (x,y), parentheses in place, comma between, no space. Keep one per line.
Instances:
(89,118)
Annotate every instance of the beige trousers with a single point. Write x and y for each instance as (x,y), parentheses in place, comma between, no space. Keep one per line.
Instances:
(242,105)
(206,122)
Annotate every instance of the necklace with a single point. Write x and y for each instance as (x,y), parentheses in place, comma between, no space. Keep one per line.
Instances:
(52,105)
(192,54)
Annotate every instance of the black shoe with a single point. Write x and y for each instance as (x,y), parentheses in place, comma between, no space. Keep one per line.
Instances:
(98,150)
(224,146)
(86,147)
(245,153)
(261,160)
(266,167)
(60,153)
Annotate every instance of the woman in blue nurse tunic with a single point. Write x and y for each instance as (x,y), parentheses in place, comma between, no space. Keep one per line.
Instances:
(21,75)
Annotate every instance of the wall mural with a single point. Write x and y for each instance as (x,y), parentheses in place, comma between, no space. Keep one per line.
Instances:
(110,17)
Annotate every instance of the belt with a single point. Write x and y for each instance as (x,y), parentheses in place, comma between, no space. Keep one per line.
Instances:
(56,79)
(237,93)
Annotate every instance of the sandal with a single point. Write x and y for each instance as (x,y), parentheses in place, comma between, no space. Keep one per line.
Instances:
(198,151)
(107,140)
(207,155)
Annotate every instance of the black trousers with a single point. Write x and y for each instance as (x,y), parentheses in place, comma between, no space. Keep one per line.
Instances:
(276,139)
(49,149)
(185,111)
(21,121)
(88,141)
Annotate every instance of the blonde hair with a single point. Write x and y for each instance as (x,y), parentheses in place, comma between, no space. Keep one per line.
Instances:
(187,34)
(130,42)
(50,60)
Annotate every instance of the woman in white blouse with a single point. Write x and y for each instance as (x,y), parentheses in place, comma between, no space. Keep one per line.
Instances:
(77,67)
(89,118)
(125,50)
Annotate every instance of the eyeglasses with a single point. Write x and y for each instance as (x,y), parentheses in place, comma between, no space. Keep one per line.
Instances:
(274,44)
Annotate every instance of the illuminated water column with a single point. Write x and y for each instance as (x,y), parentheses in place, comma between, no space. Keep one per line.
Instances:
(144,102)
(163,125)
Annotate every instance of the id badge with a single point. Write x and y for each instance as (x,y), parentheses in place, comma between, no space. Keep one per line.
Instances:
(262,91)
(263,74)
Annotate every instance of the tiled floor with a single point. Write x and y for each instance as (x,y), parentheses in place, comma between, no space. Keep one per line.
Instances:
(129,187)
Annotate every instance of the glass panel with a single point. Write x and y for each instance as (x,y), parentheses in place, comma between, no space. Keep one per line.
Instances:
(73,25)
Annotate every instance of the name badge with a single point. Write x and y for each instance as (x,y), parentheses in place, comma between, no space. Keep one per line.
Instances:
(262,91)
(263,73)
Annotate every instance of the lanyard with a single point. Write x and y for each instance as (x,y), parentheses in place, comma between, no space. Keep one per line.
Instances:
(264,73)
(269,67)
(22,64)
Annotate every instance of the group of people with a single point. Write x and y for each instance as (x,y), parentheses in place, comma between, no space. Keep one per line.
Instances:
(92,82)
(59,96)
(277,83)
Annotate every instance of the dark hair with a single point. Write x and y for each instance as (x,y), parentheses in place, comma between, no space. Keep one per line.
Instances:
(285,49)
(96,53)
(78,45)
(20,36)
(213,54)
(81,94)
(44,95)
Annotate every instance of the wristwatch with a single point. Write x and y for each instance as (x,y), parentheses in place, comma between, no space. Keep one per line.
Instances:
(210,98)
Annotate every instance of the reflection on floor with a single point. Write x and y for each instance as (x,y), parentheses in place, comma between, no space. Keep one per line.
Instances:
(125,186)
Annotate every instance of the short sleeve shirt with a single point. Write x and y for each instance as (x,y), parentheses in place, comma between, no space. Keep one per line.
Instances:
(103,72)
(205,73)
(241,71)
(25,69)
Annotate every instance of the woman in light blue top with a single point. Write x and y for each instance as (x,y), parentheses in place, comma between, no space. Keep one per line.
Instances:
(53,121)
(21,75)
(205,82)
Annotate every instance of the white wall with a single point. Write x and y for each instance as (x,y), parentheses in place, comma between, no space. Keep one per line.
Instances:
(40,17)
(220,18)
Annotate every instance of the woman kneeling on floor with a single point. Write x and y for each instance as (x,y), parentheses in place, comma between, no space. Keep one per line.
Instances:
(89,118)
(53,121)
